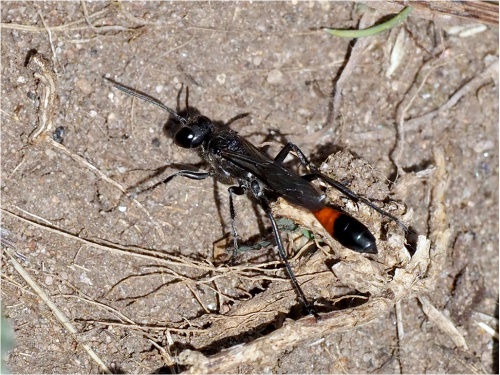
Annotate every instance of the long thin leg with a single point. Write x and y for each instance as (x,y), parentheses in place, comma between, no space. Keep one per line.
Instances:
(187,102)
(281,251)
(354,197)
(193,175)
(289,147)
(256,190)
(234,190)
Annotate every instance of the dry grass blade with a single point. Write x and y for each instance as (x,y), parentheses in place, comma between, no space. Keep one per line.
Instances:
(63,319)
(72,26)
(443,322)
(244,271)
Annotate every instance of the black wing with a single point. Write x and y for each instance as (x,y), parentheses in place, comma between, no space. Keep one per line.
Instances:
(277,178)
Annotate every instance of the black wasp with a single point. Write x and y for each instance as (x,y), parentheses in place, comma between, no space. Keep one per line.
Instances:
(233,158)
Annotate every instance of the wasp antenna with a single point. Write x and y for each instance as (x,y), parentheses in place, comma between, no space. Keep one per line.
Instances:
(187,101)
(148,99)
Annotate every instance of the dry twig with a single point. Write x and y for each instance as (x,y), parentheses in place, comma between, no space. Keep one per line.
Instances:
(401,127)
(43,70)
(417,278)
(445,11)
(264,351)
(57,313)
(490,73)
(74,25)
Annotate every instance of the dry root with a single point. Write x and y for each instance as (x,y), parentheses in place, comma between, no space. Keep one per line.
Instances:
(377,282)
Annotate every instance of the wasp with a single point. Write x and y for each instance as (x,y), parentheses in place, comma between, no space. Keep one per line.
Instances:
(251,171)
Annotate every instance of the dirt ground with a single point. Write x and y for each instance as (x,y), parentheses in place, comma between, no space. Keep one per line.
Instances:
(137,277)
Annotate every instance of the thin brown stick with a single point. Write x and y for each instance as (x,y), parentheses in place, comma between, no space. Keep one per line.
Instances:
(336,102)
(159,256)
(63,319)
(426,70)
(479,11)
(70,26)
(356,53)
(442,322)
(490,73)
(49,33)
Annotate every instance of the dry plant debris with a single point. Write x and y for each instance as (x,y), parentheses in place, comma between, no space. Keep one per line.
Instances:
(485,12)
(387,279)
(328,275)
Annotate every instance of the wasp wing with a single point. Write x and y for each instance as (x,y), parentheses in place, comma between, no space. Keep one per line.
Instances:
(274,176)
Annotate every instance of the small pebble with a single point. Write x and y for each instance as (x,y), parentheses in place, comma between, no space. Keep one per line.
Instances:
(49,280)
(276,77)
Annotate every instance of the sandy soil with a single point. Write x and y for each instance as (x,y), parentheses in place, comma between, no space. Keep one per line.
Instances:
(110,263)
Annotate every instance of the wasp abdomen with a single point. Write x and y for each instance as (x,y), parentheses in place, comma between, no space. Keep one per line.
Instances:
(347,230)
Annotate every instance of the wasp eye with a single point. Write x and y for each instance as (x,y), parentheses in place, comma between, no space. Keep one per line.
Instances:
(187,138)
(193,134)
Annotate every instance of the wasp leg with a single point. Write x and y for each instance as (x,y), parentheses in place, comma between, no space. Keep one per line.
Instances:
(234,190)
(256,190)
(354,197)
(193,175)
(316,174)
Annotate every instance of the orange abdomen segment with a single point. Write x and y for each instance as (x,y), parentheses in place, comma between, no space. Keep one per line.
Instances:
(327,216)
(347,230)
